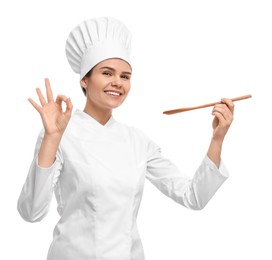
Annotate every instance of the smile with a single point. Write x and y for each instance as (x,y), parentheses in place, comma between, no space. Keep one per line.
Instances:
(113,93)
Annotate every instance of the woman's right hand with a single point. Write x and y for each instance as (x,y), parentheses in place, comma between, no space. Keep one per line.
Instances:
(53,117)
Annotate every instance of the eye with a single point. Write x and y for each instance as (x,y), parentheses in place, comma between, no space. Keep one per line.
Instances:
(125,77)
(106,73)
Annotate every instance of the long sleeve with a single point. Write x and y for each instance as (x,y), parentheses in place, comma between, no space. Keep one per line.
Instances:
(36,195)
(192,193)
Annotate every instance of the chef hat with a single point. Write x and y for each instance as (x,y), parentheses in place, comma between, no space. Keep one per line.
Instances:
(95,40)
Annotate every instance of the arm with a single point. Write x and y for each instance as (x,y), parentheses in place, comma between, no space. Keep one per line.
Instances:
(55,122)
(37,191)
(223,118)
(36,195)
(194,193)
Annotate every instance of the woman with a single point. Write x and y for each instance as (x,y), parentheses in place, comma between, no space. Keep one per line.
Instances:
(96,166)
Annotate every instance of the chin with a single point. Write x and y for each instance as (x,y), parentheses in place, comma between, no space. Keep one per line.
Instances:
(115,105)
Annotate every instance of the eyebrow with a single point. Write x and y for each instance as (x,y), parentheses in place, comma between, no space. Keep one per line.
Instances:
(112,69)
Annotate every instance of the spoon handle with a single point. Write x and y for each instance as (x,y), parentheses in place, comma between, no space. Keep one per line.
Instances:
(179,110)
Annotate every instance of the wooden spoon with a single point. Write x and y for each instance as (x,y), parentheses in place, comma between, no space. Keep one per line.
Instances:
(179,110)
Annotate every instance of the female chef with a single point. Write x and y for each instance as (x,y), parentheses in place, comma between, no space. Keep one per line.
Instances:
(97,166)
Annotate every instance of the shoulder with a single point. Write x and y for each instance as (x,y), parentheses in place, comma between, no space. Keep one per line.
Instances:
(138,137)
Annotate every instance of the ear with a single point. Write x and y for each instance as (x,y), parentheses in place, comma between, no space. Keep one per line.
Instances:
(83,82)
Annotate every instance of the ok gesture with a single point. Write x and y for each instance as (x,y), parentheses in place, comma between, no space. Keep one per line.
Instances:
(53,117)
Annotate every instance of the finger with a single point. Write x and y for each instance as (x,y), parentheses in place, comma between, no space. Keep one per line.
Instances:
(229,103)
(220,118)
(223,107)
(69,106)
(49,92)
(224,115)
(34,104)
(60,99)
(41,98)
(225,110)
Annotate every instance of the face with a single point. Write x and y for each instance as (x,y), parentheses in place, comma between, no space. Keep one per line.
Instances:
(108,85)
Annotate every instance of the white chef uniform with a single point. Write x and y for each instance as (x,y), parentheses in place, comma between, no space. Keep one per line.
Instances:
(98,178)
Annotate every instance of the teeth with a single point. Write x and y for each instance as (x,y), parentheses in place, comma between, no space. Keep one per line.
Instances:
(112,93)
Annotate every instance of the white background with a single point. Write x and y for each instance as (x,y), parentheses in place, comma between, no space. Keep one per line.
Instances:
(184,53)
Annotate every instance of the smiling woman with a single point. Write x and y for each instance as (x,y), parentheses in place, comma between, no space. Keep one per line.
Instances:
(97,166)
(106,88)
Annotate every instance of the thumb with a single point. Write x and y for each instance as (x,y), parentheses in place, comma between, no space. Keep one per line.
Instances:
(69,106)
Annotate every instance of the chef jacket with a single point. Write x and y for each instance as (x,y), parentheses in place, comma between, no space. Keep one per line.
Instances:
(98,179)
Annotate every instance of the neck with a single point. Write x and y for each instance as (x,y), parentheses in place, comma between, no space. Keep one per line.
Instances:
(101,116)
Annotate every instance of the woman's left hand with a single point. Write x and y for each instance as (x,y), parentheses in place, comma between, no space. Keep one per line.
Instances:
(223,118)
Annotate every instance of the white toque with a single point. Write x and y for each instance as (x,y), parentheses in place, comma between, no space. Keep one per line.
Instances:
(95,40)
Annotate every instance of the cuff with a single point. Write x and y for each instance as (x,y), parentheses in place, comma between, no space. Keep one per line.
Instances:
(42,170)
(222,170)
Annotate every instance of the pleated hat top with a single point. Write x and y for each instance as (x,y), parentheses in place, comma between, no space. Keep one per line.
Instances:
(95,40)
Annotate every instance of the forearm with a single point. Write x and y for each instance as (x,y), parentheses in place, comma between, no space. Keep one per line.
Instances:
(37,191)
(36,194)
(214,151)
(192,193)
(48,150)
(223,113)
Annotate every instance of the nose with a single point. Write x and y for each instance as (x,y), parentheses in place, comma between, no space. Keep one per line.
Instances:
(117,83)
